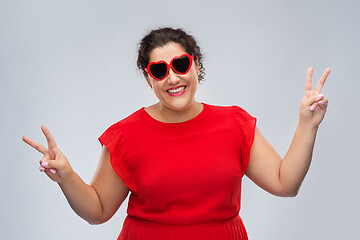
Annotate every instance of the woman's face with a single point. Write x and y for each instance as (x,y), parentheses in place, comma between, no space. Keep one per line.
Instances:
(175,91)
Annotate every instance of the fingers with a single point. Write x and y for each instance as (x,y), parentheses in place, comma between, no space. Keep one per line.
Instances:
(322,80)
(315,98)
(308,81)
(34,144)
(50,140)
(46,164)
(324,103)
(42,161)
(320,101)
(321,104)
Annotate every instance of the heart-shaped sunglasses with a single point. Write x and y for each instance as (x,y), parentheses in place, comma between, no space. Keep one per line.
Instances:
(180,64)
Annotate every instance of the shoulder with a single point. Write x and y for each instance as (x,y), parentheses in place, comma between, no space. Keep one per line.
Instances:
(133,118)
(232,113)
(233,109)
(129,121)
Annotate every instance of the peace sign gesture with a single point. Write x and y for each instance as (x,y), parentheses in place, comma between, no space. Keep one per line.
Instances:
(313,105)
(54,162)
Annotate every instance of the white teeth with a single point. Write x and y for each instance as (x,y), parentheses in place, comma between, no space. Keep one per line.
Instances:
(176,90)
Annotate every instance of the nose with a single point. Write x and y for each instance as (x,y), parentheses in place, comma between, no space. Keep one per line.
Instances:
(173,77)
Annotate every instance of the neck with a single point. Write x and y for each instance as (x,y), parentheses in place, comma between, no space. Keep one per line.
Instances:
(165,114)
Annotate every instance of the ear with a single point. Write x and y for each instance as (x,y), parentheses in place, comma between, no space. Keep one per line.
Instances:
(147,78)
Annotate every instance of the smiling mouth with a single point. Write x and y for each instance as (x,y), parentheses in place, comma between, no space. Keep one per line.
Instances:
(176,90)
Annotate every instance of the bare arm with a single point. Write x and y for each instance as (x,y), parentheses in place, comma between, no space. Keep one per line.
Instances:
(283,177)
(98,202)
(95,203)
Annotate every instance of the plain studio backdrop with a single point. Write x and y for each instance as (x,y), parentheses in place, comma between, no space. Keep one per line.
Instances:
(72,66)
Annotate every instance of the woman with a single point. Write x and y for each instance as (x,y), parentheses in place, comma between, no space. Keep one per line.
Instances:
(183,160)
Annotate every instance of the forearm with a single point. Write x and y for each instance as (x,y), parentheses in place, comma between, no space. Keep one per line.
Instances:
(296,162)
(283,176)
(82,198)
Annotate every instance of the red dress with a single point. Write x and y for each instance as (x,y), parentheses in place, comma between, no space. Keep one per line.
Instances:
(184,178)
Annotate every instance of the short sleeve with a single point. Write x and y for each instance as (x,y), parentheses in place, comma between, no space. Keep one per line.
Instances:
(246,125)
(113,139)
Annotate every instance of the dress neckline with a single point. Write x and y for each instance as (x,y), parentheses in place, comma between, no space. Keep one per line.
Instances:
(199,116)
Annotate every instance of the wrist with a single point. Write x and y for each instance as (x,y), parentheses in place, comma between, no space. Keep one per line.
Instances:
(307,126)
(68,178)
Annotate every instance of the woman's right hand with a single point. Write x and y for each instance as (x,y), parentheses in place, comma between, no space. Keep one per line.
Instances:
(54,162)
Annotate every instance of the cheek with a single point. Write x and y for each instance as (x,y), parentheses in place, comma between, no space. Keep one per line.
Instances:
(157,87)
(193,76)
(195,86)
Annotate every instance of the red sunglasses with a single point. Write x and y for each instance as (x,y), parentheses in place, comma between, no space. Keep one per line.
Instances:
(180,64)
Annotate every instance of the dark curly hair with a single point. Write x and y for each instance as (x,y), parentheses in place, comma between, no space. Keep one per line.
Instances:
(160,37)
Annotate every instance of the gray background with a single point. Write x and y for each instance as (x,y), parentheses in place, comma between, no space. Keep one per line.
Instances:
(71,65)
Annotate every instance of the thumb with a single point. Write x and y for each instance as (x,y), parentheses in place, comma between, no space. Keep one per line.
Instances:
(51,165)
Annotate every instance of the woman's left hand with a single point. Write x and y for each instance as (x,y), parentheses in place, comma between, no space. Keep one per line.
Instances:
(313,105)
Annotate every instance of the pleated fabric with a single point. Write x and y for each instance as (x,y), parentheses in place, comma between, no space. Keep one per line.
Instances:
(140,229)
